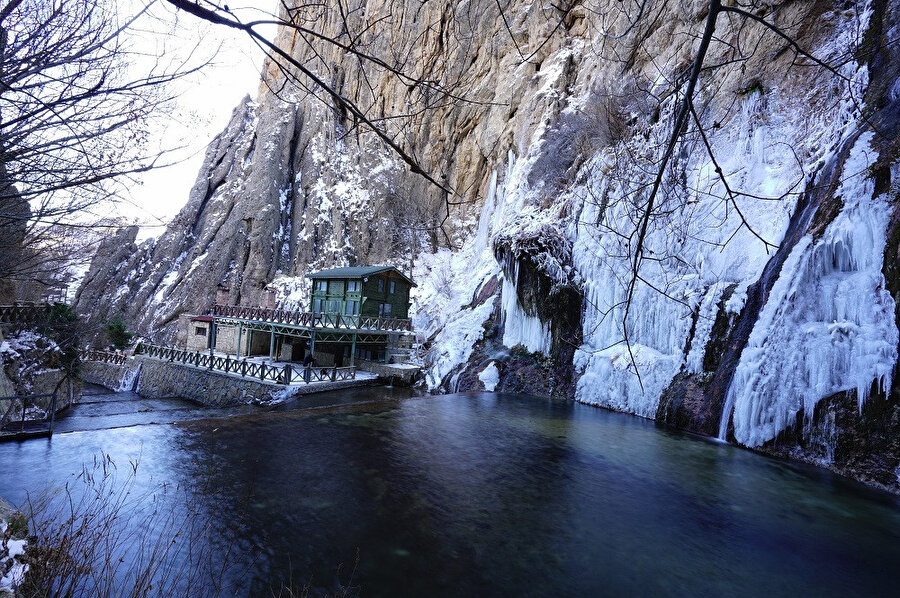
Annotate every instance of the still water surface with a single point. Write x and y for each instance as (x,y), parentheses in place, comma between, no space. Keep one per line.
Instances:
(488,495)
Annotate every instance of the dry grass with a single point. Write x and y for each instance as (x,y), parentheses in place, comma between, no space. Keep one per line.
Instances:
(97,536)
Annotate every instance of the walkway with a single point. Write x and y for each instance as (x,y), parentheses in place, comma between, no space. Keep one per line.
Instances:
(262,369)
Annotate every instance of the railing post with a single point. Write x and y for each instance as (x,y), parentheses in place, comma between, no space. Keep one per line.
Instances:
(333,373)
(288,369)
(53,406)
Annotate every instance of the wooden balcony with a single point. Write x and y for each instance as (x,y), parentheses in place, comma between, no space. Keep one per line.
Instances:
(313,320)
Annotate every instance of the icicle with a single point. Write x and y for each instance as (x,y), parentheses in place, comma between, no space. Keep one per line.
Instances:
(518,327)
(482,236)
(828,325)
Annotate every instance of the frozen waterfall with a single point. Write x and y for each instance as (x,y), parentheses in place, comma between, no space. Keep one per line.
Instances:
(828,325)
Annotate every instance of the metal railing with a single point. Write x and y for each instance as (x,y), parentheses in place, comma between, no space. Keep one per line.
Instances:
(21,416)
(312,320)
(279,374)
(103,357)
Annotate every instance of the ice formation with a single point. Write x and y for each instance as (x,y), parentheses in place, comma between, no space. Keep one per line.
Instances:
(490,377)
(828,325)
(130,379)
(519,328)
(674,292)
(442,303)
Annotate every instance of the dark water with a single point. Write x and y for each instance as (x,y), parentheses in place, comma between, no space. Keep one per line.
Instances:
(493,495)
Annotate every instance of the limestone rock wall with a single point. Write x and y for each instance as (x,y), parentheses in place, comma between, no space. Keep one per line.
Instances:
(293,184)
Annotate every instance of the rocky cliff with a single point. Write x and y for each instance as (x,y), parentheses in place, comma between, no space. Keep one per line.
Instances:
(765,306)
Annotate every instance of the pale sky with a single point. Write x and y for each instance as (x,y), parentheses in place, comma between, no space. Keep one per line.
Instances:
(205,104)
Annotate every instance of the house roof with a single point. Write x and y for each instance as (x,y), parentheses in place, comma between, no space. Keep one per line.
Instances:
(357,272)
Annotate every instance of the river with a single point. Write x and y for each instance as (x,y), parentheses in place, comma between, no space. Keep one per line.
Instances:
(476,495)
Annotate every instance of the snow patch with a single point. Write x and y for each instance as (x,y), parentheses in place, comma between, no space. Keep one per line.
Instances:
(10,549)
(490,377)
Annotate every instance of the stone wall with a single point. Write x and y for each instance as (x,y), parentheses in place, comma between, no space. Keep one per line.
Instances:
(50,381)
(394,373)
(165,379)
(186,335)
(110,375)
(226,340)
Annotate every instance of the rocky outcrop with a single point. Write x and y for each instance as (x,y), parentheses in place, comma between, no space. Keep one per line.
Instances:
(753,314)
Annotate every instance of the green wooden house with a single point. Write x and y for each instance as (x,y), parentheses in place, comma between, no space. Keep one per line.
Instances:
(359,312)
(377,291)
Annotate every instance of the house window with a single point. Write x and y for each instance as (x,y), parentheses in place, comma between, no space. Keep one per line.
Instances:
(199,331)
(393,287)
(353,286)
(351,308)
(384,310)
(336,287)
(322,286)
(317,306)
(380,285)
(334,306)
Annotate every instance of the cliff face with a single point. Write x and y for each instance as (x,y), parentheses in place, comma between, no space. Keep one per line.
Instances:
(763,309)
(293,184)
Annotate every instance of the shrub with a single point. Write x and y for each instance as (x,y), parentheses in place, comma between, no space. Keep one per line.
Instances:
(118,334)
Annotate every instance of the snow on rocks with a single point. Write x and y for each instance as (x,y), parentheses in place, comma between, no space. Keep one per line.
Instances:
(442,310)
(12,569)
(490,377)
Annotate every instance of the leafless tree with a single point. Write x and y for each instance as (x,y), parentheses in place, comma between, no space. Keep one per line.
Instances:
(76,106)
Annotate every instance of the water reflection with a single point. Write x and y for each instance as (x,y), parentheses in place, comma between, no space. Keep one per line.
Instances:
(496,495)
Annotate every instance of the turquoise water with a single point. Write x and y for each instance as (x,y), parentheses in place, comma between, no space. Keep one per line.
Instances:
(491,495)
